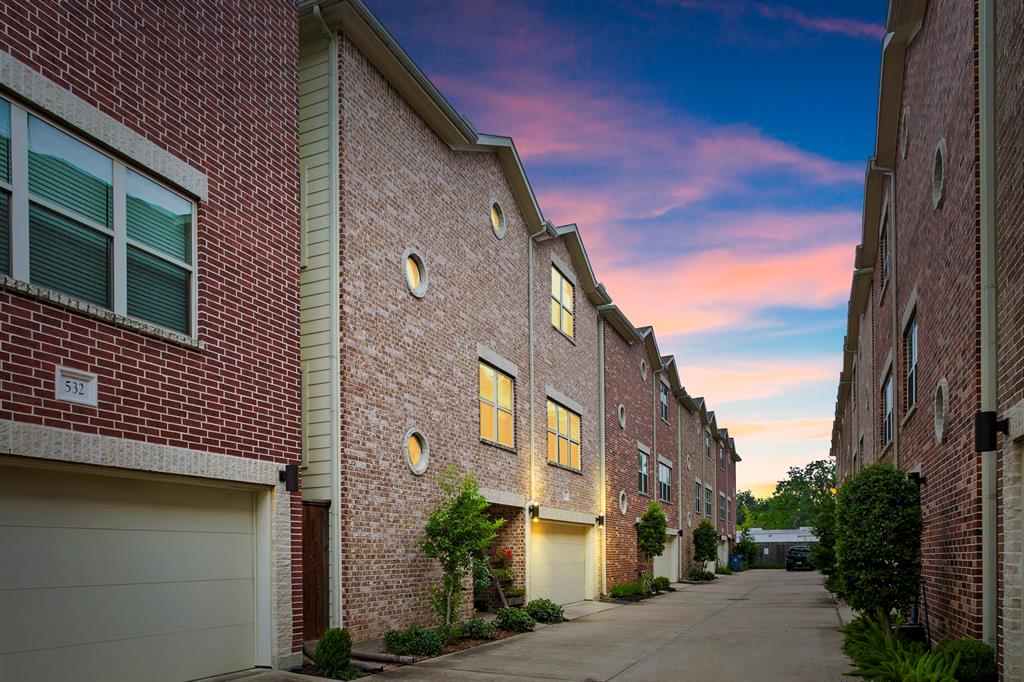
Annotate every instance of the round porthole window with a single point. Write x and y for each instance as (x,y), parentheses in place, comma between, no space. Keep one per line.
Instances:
(689,519)
(938,173)
(622,416)
(415,273)
(941,410)
(417,454)
(643,370)
(497,220)
(623,502)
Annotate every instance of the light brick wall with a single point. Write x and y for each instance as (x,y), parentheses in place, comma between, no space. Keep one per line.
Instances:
(162,70)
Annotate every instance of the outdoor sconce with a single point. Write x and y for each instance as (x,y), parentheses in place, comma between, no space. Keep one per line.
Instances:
(290,476)
(679,532)
(534,510)
(600,520)
(917,477)
(986,426)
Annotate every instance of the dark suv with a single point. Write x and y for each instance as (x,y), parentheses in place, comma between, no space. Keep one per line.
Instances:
(798,556)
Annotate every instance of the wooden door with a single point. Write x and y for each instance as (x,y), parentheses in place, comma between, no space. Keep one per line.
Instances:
(315,573)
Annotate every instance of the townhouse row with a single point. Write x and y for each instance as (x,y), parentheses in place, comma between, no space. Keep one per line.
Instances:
(260,283)
(932,375)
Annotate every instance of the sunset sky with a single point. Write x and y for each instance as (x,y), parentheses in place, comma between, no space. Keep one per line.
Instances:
(712,153)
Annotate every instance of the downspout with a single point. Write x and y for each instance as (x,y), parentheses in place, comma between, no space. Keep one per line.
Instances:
(603,497)
(989,398)
(679,484)
(896,341)
(527,577)
(334,335)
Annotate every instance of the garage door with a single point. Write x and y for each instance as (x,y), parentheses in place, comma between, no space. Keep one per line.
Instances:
(558,562)
(668,563)
(107,578)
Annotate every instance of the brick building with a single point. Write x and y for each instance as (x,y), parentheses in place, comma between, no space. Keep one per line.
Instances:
(149,345)
(932,338)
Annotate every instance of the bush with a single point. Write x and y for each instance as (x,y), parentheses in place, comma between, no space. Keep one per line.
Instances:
(746,547)
(414,640)
(477,628)
(977,659)
(630,590)
(545,611)
(701,574)
(332,653)
(662,584)
(705,542)
(880,653)
(514,620)
(723,570)
(878,539)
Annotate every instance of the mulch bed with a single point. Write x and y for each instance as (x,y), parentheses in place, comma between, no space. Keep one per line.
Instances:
(463,644)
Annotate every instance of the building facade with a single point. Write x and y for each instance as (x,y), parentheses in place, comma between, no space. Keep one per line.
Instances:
(149,340)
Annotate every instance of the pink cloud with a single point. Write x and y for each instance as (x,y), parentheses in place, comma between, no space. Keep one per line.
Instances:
(727,381)
(783,431)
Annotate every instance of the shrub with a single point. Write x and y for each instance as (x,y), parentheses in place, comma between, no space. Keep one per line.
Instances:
(880,653)
(514,620)
(414,640)
(823,552)
(723,570)
(705,542)
(746,547)
(662,584)
(701,574)
(478,628)
(650,532)
(878,539)
(977,659)
(629,590)
(545,611)
(332,653)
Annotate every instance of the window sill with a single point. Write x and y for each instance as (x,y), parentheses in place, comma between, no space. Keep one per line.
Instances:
(886,450)
(908,415)
(578,472)
(885,288)
(564,335)
(641,493)
(96,312)
(496,444)
(662,499)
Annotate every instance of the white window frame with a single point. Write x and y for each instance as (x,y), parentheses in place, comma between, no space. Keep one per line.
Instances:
(707,445)
(707,500)
(887,408)
(643,474)
(911,355)
(120,241)
(663,402)
(721,457)
(566,436)
(700,492)
(665,487)
(562,310)
(721,507)
(498,408)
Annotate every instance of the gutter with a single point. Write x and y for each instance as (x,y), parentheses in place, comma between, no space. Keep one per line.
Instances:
(334,531)
(989,397)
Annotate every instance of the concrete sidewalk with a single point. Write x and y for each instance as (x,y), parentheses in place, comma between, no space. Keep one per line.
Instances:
(764,625)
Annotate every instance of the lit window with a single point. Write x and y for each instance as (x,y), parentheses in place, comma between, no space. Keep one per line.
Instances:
(663,402)
(497,220)
(496,400)
(415,274)
(563,436)
(137,262)
(910,347)
(707,501)
(642,480)
(561,302)
(696,495)
(417,455)
(664,482)
(887,409)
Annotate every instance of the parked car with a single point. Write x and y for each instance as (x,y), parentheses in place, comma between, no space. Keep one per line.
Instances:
(798,556)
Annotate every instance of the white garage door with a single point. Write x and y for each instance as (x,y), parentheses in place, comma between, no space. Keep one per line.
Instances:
(668,563)
(108,578)
(558,562)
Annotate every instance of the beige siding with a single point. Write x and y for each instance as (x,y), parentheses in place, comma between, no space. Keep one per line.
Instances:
(317,309)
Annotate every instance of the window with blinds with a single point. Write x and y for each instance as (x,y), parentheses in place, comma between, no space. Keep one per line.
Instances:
(90,227)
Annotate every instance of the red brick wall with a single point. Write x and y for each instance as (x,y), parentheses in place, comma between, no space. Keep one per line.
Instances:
(668,447)
(413,362)
(186,79)
(692,433)
(511,536)
(720,457)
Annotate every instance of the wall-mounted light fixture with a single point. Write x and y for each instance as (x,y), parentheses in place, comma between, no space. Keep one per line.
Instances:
(534,510)
(290,476)
(986,426)
(600,520)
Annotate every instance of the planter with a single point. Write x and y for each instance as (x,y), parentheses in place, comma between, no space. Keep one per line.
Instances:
(915,633)
(516,601)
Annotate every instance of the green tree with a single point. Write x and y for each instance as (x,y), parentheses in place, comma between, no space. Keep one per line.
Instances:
(705,543)
(797,500)
(878,539)
(650,532)
(745,501)
(459,535)
(823,552)
(746,547)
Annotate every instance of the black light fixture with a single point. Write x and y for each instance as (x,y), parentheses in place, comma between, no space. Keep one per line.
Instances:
(600,520)
(290,476)
(918,478)
(534,510)
(986,426)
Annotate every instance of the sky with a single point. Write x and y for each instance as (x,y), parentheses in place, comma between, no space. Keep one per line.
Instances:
(712,153)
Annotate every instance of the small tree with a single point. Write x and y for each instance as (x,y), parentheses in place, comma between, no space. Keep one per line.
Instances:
(746,547)
(705,543)
(650,532)
(459,535)
(878,539)
(823,552)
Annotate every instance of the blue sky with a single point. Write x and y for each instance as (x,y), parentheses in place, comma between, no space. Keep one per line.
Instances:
(712,153)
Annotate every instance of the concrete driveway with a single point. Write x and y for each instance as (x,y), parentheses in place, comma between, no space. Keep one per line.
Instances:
(757,625)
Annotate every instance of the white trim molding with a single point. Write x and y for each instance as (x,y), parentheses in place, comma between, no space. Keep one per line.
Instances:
(564,400)
(495,360)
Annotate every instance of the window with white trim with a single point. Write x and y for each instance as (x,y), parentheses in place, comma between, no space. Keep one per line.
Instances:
(883,249)
(563,436)
(696,495)
(887,409)
(663,402)
(642,483)
(707,445)
(707,500)
(721,506)
(721,457)
(910,350)
(664,482)
(83,223)
(496,407)
(561,302)
(80,222)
